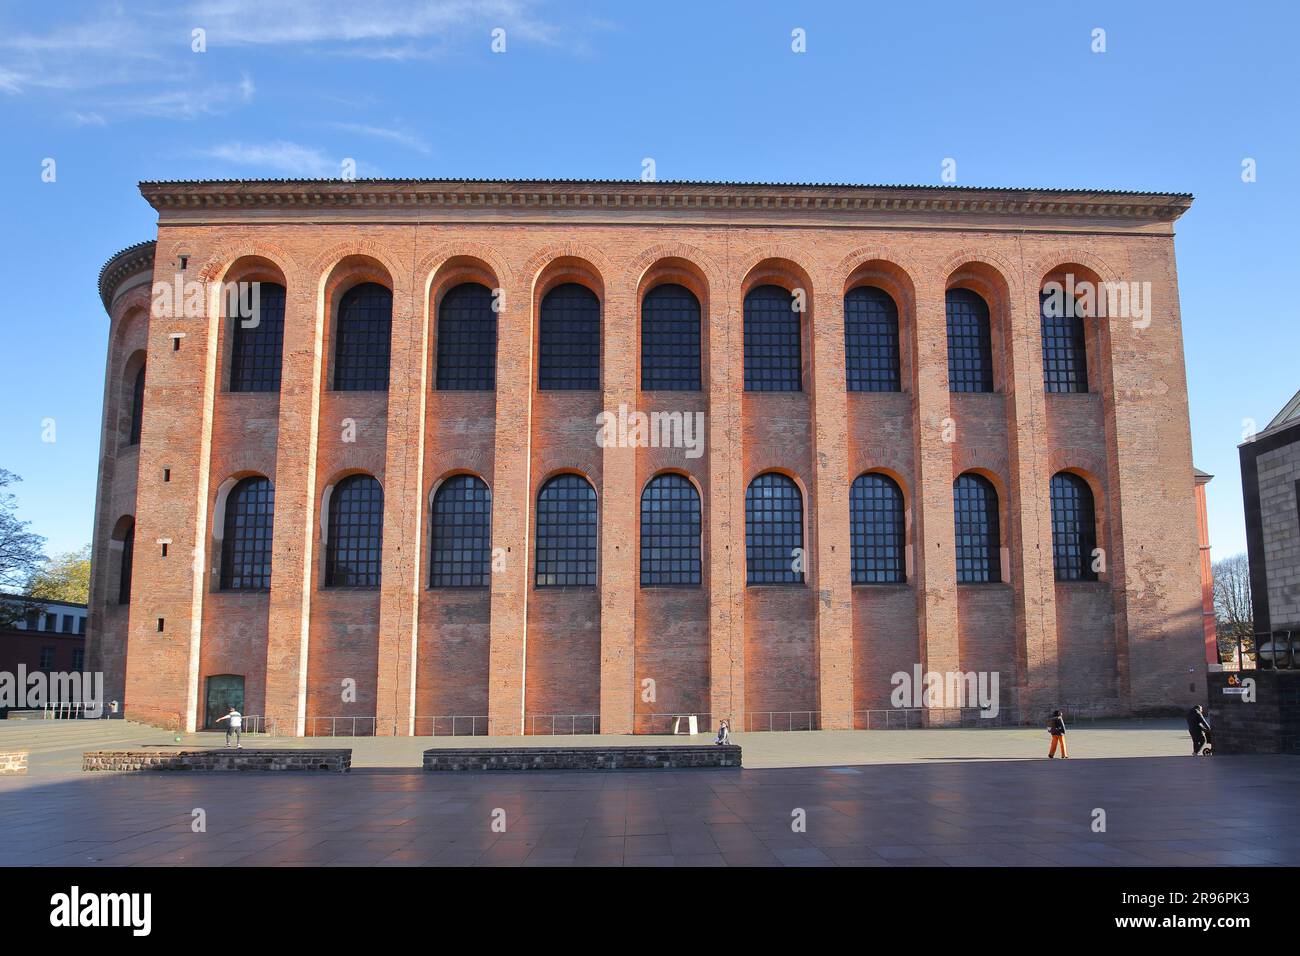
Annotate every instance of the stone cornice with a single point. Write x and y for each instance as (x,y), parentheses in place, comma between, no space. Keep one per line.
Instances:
(218,196)
(124,264)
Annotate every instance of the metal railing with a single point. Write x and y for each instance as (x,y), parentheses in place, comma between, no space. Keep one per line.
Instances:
(70,710)
(1266,650)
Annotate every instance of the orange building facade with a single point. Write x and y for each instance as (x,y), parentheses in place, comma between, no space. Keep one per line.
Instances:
(386,540)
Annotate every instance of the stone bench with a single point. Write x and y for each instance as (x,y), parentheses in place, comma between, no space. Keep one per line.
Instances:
(13,762)
(582,758)
(332,761)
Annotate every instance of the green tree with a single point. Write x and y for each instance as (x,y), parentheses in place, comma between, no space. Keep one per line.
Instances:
(21,554)
(65,577)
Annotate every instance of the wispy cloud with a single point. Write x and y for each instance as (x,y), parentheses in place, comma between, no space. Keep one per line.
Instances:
(288,159)
(388,134)
(135,60)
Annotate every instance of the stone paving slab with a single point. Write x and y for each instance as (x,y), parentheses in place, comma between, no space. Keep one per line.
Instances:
(936,807)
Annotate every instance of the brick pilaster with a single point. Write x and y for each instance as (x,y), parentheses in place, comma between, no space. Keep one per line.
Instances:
(511,507)
(618,520)
(403,511)
(832,570)
(935,560)
(294,567)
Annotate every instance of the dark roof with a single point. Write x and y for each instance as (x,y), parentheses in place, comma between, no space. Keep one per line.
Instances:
(1290,412)
(121,264)
(450,180)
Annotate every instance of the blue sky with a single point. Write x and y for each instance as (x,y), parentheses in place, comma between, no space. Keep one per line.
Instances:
(114,94)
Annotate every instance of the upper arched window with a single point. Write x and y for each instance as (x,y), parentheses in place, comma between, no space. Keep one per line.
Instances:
(871,341)
(876,530)
(460,550)
(773,356)
(1074,528)
(670,532)
(363,338)
(354,546)
(126,565)
(773,531)
(1065,350)
(246,541)
(970,344)
(569,339)
(977,536)
(670,340)
(257,342)
(137,407)
(566,533)
(467,339)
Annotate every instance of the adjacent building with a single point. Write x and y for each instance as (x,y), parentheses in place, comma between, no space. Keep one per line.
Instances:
(1270,484)
(562,456)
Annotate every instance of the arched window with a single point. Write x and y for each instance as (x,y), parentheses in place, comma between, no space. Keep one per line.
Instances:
(876,530)
(773,360)
(566,533)
(126,565)
(670,532)
(1065,351)
(670,340)
(137,407)
(773,531)
(363,337)
(1074,528)
(246,542)
(970,345)
(257,343)
(460,550)
(354,548)
(976,534)
(467,340)
(871,341)
(569,344)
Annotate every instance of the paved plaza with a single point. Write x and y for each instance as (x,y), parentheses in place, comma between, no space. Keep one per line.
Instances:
(868,798)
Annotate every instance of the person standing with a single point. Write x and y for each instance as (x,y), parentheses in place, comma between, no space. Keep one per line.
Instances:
(234,727)
(1056,727)
(1199,727)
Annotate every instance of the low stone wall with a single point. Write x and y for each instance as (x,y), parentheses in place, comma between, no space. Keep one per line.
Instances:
(1268,724)
(332,761)
(13,762)
(582,758)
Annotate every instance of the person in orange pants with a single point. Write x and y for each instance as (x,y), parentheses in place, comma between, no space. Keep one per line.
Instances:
(1056,727)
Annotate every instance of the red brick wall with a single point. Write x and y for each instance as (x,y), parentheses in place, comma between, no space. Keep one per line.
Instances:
(1130,643)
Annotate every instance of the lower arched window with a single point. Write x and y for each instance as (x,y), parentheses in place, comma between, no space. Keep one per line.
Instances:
(125,565)
(773,531)
(354,547)
(246,539)
(566,533)
(460,552)
(977,536)
(670,532)
(876,530)
(1074,528)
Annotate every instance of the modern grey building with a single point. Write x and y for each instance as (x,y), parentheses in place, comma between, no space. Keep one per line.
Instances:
(1270,481)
